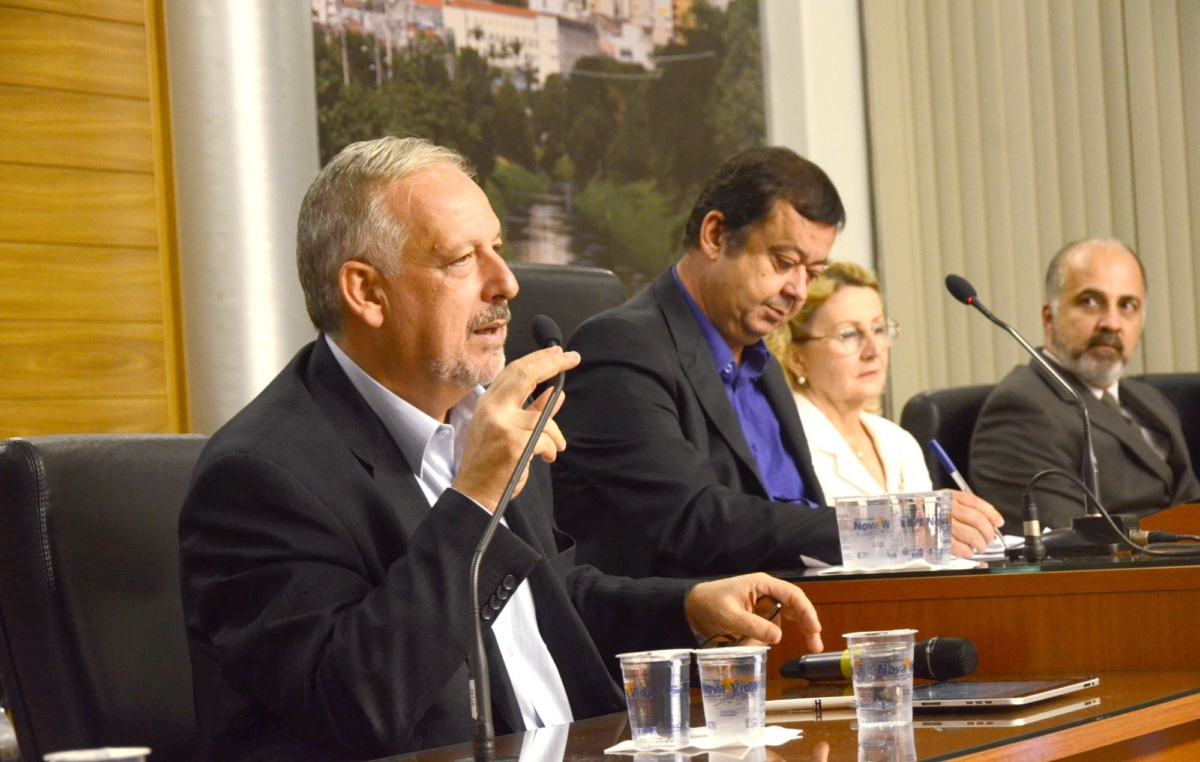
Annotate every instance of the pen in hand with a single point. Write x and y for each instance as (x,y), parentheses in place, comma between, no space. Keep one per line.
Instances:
(998,543)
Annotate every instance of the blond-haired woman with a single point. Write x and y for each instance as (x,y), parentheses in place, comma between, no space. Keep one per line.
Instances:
(835,356)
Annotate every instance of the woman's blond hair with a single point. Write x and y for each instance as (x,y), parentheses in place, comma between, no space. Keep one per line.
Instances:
(836,276)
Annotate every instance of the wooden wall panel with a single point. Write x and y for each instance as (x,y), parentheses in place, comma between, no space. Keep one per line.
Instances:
(79,283)
(41,204)
(103,133)
(123,415)
(129,11)
(71,53)
(45,359)
(90,335)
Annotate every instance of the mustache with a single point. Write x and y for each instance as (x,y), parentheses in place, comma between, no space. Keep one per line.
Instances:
(493,313)
(1107,340)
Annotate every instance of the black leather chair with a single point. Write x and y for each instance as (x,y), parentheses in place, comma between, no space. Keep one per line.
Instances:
(947,415)
(92,645)
(570,294)
(1183,389)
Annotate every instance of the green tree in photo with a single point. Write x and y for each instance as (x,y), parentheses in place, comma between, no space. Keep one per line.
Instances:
(513,134)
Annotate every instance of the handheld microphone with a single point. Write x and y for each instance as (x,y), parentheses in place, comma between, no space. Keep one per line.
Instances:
(963,291)
(547,334)
(933,659)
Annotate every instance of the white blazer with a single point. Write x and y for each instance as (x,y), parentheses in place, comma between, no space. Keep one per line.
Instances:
(839,470)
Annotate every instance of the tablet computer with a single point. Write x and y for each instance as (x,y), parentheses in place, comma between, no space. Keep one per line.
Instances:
(971,693)
(1001,719)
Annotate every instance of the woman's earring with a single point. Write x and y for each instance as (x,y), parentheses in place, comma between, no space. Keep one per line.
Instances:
(802,380)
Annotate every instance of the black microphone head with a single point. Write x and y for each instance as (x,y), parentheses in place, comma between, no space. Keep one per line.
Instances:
(944,658)
(960,288)
(546,332)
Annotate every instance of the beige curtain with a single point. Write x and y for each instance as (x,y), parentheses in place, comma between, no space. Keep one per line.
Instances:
(1001,129)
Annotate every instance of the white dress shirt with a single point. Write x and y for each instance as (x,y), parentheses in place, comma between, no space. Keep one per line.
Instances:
(433,451)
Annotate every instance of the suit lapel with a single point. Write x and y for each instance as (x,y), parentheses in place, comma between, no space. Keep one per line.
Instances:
(365,435)
(701,371)
(1160,466)
(1110,421)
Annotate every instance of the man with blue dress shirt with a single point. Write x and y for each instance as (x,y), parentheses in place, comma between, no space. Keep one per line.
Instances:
(687,454)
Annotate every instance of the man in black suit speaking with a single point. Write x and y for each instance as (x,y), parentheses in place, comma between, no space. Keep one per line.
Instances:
(328,531)
(687,454)
(1092,316)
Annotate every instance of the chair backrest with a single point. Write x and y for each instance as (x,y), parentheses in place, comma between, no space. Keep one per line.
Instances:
(570,294)
(92,644)
(1183,389)
(947,415)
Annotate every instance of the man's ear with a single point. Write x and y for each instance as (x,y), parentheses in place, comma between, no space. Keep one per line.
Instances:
(713,235)
(1047,320)
(361,287)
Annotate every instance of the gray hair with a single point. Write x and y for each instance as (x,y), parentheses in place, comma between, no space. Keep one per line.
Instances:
(345,216)
(1055,275)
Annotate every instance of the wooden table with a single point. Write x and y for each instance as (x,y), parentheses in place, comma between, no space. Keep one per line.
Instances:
(1128,616)
(1138,716)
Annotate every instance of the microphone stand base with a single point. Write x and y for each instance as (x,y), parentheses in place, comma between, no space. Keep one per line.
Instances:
(1077,543)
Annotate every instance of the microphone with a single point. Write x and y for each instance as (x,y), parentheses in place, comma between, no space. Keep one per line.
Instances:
(547,334)
(964,292)
(933,659)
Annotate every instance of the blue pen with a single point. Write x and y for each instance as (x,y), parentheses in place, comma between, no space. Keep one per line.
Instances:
(997,543)
(949,466)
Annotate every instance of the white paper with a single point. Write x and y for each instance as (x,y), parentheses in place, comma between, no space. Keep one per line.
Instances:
(773,735)
(919,564)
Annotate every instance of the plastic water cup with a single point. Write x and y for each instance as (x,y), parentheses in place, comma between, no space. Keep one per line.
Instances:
(656,692)
(733,682)
(125,754)
(867,530)
(881,665)
(886,743)
(924,521)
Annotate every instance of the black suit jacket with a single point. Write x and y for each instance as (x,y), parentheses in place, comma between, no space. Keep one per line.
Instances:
(326,602)
(1029,423)
(657,477)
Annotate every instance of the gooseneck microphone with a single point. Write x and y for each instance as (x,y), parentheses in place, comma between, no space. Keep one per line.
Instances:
(547,334)
(933,659)
(964,292)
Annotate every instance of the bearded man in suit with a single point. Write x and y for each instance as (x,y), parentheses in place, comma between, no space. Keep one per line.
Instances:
(329,528)
(1093,317)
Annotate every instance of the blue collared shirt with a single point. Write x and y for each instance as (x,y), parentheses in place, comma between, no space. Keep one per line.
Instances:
(760,426)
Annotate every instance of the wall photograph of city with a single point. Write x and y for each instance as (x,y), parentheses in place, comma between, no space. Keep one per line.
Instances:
(591,123)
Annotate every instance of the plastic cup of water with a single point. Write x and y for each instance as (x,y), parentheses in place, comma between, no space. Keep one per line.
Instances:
(924,521)
(733,682)
(881,666)
(867,530)
(656,692)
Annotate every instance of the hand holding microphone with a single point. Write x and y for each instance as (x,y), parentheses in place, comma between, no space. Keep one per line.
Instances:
(502,426)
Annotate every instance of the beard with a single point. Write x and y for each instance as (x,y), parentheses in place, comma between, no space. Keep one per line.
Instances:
(1098,371)
(460,370)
